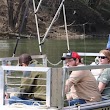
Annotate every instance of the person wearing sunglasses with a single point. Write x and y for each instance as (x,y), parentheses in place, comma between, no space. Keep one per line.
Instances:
(104,77)
(81,86)
(32,87)
(101,59)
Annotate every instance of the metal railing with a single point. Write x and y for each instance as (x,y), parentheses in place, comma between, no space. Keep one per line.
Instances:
(55,82)
(102,105)
(4,61)
(45,70)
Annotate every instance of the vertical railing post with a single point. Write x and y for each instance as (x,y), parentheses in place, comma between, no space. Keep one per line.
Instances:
(44,60)
(48,88)
(63,85)
(2,85)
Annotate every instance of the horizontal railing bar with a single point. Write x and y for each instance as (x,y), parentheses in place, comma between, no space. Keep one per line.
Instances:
(88,106)
(87,67)
(16,58)
(24,85)
(12,77)
(88,54)
(27,93)
(20,68)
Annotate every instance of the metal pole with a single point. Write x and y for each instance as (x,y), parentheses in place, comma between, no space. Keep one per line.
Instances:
(38,6)
(45,35)
(40,49)
(18,38)
(64,14)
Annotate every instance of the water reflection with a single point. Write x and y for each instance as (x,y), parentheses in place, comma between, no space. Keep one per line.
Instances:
(52,48)
(4,45)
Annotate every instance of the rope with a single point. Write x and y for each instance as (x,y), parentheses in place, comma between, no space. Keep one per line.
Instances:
(54,64)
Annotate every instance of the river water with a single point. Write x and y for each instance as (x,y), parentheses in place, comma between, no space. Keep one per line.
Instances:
(52,48)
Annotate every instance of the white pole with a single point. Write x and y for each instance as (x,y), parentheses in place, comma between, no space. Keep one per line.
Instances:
(38,6)
(37,27)
(64,14)
(52,22)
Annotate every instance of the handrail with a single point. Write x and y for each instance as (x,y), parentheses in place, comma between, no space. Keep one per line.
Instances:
(88,54)
(87,67)
(58,84)
(47,71)
(94,105)
(43,57)
(21,68)
(16,58)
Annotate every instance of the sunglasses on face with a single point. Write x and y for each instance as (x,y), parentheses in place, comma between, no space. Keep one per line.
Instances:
(70,60)
(102,57)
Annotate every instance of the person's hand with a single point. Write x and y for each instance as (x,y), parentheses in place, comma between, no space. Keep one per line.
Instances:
(7,96)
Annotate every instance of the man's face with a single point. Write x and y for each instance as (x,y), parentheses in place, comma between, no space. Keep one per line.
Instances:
(70,62)
(23,64)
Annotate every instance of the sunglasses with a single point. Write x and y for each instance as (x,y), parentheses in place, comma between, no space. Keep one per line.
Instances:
(70,60)
(102,57)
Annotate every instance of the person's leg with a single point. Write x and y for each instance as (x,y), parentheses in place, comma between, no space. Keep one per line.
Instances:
(15,99)
(76,101)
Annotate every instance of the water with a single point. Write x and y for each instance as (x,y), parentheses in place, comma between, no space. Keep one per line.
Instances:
(52,48)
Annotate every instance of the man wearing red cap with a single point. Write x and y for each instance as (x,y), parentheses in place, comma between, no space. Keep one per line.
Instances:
(81,86)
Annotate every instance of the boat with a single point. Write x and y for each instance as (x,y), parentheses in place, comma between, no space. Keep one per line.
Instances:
(54,88)
(55,78)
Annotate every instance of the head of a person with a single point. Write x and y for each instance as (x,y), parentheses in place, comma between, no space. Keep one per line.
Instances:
(71,59)
(24,59)
(104,57)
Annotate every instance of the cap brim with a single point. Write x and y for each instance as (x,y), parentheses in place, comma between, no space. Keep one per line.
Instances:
(63,58)
(67,57)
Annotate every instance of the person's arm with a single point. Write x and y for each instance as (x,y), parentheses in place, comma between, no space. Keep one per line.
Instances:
(103,80)
(101,86)
(68,85)
(26,83)
(74,78)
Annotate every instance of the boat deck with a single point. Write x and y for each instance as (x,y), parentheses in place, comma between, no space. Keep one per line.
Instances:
(55,89)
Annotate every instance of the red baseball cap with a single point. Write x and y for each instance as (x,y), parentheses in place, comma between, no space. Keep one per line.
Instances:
(70,55)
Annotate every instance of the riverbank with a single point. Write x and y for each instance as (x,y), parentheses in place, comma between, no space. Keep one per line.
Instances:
(51,35)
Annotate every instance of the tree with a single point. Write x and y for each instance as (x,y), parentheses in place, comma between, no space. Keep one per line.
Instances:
(10,13)
(17,19)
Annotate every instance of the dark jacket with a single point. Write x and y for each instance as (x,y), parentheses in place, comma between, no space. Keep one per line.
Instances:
(35,87)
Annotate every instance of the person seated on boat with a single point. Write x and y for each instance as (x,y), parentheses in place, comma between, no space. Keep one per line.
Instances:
(104,77)
(31,89)
(26,60)
(96,72)
(81,86)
